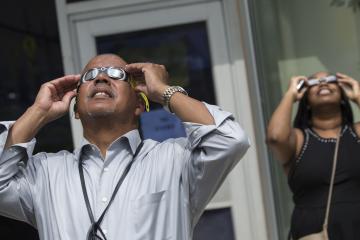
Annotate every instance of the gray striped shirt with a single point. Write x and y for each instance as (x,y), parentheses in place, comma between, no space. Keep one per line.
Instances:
(162,197)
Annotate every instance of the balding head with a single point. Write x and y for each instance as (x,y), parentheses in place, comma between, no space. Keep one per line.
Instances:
(105,60)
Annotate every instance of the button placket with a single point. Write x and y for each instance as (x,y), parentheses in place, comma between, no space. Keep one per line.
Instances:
(104,188)
(101,205)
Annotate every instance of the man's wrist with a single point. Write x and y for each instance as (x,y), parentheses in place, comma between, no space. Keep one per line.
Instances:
(168,93)
(26,127)
(37,115)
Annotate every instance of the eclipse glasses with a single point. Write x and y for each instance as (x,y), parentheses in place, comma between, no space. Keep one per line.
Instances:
(316,81)
(115,74)
(112,72)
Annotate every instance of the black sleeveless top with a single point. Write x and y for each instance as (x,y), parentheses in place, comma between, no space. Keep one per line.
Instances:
(309,180)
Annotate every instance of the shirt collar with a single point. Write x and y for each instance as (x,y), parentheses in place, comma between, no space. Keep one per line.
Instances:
(132,136)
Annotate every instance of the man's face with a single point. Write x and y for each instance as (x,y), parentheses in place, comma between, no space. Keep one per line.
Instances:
(104,96)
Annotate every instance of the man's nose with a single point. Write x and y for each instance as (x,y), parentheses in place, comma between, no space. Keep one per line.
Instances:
(102,78)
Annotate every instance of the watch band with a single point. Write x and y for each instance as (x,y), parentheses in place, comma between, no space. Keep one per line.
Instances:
(168,93)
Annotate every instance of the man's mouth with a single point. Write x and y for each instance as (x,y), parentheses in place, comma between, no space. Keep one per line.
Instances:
(101,93)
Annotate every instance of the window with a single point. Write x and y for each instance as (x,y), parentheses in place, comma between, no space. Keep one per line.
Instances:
(300,38)
(30,56)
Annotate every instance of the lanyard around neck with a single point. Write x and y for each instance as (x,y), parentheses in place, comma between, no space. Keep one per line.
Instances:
(95,225)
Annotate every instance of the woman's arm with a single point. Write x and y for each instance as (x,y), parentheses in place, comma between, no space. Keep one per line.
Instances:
(282,138)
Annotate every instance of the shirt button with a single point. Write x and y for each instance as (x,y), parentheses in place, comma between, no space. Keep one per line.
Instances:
(106,169)
(104,199)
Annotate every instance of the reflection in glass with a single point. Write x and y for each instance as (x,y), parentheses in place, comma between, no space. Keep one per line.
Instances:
(299,38)
(30,55)
(183,49)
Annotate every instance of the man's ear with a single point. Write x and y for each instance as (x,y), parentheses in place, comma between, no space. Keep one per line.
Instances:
(140,105)
(75,109)
(76,112)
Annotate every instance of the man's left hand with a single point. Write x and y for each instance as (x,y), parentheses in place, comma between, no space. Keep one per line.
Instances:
(156,78)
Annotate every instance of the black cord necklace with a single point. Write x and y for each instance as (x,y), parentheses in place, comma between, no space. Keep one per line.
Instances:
(95,225)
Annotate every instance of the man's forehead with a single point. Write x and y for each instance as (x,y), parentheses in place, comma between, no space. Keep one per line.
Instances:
(105,61)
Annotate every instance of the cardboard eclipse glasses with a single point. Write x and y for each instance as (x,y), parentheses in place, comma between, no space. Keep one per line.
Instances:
(115,74)
(112,72)
(316,81)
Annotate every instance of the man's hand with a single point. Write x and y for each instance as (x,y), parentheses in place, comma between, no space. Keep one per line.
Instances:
(52,102)
(186,108)
(155,76)
(54,97)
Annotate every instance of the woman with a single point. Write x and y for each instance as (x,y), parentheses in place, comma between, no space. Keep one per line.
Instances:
(306,151)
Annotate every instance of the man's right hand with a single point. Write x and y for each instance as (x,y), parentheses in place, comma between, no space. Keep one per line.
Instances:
(53,98)
(52,102)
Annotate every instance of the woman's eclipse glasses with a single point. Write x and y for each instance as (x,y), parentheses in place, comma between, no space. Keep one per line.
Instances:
(316,81)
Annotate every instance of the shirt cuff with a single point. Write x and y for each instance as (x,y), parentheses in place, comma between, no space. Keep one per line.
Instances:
(196,131)
(4,129)
(28,146)
(5,125)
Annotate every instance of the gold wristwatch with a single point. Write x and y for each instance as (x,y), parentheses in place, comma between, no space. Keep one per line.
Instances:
(168,94)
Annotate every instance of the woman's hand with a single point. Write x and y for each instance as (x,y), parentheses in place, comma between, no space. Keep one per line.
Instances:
(296,95)
(350,86)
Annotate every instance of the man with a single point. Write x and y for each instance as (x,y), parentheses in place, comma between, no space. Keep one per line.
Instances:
(116,186)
